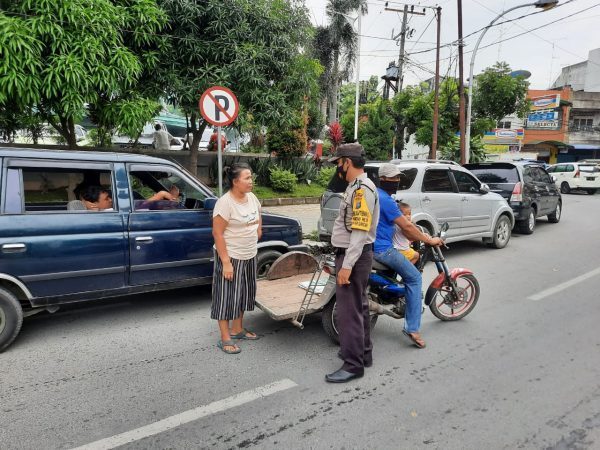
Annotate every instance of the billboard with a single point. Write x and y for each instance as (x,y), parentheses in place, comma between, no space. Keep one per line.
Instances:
(551,101)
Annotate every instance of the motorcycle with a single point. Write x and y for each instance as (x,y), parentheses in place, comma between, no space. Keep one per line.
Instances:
(451,295)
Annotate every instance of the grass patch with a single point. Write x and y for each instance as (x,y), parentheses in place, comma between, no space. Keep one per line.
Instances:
(302,190)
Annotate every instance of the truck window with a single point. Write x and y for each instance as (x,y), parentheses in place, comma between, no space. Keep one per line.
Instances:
(51,189)
(157,189)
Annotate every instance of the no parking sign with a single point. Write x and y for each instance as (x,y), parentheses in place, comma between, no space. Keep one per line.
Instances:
(219,107)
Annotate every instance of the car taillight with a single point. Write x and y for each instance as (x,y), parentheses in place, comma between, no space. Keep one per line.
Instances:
(328,270)
(517,193)
(577,174)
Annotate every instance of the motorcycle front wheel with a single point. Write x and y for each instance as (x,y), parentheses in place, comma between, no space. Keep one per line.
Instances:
(330,323)
(446,307)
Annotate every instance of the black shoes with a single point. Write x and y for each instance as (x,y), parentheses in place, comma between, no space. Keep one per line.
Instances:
(367,363)
(341,376)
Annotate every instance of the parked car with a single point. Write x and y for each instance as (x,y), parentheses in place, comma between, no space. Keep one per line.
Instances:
(576,176)
(438,192)
(526,186)
(51,254)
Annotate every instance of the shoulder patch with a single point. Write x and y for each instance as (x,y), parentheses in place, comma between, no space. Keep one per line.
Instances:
(361,216)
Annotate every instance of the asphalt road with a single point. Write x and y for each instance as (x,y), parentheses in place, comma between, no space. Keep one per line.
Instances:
(522,371)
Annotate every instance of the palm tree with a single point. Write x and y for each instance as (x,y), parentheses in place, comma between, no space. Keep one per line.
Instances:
(342,42)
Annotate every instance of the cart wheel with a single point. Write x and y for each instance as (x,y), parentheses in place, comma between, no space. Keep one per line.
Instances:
(329,320)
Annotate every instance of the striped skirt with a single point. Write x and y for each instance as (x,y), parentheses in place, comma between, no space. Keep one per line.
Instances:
(231,298)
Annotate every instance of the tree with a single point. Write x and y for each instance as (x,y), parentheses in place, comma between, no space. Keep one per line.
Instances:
(252,47)
(415,110)
(342,44)
(377,133)
(368,95)
(59,55)
(497,94)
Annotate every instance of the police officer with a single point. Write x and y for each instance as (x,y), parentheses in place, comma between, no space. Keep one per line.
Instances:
(353,235)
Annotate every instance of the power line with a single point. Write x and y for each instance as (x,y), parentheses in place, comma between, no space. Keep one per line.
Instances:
(528,31)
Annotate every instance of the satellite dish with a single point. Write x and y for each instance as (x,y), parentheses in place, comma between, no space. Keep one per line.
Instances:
(525,74)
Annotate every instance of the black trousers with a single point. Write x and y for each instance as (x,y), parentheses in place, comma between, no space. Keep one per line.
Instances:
(353,314)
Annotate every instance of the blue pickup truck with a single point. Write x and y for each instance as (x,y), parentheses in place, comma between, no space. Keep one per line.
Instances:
(54,251)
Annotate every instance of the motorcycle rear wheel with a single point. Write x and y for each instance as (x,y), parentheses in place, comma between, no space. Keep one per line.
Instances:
(445,308)
(330,323)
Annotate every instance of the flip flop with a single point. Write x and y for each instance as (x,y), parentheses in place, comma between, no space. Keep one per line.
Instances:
(223,344)
(244,335)
(419,342)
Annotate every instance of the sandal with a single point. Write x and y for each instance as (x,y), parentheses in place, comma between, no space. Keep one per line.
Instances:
(224,344)
(418,341)
(245,335)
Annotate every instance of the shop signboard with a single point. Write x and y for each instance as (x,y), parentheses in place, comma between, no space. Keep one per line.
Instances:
(551,101)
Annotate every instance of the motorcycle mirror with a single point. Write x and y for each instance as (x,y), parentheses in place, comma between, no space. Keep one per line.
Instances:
(444,227)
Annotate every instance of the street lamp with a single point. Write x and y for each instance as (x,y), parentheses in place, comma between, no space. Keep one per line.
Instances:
(543,4)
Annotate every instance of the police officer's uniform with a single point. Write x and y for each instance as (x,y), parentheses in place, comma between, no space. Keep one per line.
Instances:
(352,236)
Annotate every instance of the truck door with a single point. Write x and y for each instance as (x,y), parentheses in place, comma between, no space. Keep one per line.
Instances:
(169,241)
(52,249)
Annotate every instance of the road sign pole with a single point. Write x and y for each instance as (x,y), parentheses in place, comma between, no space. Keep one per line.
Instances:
(220,160)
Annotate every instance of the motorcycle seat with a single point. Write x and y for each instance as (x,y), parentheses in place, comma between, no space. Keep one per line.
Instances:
(378,266)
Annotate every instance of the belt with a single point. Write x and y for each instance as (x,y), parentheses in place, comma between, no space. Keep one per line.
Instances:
(342,251)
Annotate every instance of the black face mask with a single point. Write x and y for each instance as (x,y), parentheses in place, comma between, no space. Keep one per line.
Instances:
(389,186)
(341,172)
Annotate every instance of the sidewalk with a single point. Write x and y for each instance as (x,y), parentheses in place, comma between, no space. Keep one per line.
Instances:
(307,214)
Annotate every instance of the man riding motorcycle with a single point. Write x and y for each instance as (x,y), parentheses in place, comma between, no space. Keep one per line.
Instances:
(385,253)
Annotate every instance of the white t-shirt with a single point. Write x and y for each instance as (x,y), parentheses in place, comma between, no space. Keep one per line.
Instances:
(241,233)
(400,241)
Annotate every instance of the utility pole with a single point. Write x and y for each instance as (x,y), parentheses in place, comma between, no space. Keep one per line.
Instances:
(401,55)
(461,87)
(436,98)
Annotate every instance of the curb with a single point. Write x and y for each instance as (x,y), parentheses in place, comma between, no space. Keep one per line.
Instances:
(284,201)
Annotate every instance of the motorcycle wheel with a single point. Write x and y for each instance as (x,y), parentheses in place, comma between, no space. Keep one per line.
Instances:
(444,308)
(330,323)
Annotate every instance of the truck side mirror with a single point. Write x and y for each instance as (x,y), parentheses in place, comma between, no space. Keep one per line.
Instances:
(209,203)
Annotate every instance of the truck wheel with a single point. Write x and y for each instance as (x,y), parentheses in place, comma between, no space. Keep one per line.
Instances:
(11,318)
(555,216)
(528,225)
(565,188)
(329,320)
(502,232)
(264,261)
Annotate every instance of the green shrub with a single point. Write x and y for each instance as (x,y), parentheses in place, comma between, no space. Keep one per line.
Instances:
(286,143)
(325,175)
(260,168)
(304,169)
(283,180)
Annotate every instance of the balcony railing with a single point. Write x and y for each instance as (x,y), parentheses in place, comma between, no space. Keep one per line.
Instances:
(585,128)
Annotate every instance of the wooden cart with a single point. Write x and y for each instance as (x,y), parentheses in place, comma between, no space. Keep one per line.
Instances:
(296,285)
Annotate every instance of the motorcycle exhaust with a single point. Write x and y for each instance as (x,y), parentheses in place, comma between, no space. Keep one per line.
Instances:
(379,309)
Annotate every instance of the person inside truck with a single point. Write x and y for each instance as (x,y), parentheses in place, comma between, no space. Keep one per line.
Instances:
(97,198)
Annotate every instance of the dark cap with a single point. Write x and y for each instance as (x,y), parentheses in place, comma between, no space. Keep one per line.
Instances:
(353,150)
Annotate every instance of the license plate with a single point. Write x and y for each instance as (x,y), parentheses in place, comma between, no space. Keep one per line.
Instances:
(590,178)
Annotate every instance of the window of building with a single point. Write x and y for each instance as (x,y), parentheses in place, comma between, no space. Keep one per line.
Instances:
(505,124)
(583,123)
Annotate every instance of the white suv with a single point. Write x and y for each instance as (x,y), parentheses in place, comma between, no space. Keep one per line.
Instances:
(438,192)
(573,175)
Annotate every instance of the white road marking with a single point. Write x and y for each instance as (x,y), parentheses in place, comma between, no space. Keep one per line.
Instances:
(189,416)
(563,286)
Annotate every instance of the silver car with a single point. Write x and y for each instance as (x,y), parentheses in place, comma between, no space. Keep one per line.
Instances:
(438,192)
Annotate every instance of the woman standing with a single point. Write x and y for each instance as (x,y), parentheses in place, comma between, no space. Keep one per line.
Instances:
(237,227)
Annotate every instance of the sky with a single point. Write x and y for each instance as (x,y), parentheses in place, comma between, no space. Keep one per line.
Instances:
(543,52)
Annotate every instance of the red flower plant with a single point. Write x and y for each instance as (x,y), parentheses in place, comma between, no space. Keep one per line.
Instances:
(336,135)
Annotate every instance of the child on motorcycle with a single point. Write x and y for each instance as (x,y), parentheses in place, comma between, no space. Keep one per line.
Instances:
(401,242)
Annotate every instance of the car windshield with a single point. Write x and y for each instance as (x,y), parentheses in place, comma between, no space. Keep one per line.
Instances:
(496,174)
